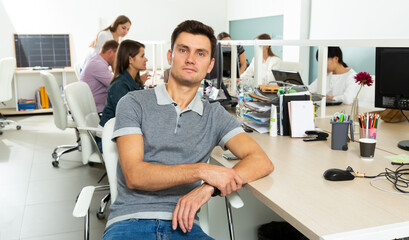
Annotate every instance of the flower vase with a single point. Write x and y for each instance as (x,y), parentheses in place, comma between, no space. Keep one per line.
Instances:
(355,115)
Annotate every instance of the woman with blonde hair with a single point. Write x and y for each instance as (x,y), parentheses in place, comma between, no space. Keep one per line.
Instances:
(270,61)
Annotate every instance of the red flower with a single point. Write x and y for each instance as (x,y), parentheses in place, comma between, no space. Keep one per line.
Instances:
(363,78)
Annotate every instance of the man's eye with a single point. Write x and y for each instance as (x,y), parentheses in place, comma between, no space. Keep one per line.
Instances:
(182,50)
(201,54)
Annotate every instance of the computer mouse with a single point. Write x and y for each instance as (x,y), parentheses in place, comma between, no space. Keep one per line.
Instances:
(335,174)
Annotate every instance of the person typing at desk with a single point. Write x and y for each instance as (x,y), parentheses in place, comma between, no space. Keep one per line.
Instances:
(340,79)
(165,136)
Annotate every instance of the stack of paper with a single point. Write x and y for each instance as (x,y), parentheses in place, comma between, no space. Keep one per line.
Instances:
(259,127)
(258,106)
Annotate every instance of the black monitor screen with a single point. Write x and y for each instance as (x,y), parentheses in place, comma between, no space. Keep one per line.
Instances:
(288,77)
(392,78)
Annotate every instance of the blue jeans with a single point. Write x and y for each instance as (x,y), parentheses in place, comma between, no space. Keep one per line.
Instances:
(151,229)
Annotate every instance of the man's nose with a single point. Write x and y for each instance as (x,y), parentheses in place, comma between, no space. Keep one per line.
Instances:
(190,58)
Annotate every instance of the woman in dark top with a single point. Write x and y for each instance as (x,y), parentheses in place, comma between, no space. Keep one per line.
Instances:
(130,59)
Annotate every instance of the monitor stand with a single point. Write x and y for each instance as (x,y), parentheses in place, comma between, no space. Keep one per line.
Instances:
(404,145)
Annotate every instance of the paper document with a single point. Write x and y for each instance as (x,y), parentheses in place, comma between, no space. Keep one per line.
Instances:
(301,115)
(258,106)
(258,117)
(259,127)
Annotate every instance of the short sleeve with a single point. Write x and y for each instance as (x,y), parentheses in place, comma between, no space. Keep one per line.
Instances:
(128,117)
(240,50)
(103,36)
(228,126)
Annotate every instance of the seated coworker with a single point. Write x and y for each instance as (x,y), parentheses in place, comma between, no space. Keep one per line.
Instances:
(240,52)
(270,61)
(130,59)
(341,84)
(97,73)
(165,136)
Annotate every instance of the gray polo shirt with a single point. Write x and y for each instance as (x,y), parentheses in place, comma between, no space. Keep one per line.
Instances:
(170,137)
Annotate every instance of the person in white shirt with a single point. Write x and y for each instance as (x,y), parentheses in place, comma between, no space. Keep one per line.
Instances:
(270,61)
(116,31)
(341,84)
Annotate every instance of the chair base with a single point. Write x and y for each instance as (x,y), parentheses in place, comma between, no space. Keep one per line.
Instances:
(68,148)
(7,122)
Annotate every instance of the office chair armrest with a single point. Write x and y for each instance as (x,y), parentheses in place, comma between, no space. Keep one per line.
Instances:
(83,201)
(90,129)
(235,200)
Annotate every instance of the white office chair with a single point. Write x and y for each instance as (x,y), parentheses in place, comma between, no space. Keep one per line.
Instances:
(7,68)
(111,162)
(62,119)
(82,106)
(291,66)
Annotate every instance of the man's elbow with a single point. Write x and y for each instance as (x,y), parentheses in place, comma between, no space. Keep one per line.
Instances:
(134,183)
(270,167)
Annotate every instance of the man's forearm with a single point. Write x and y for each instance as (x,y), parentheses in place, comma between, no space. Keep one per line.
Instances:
(154,177)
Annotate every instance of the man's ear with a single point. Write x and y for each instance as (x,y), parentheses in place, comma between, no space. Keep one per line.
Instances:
(209,69)
(169,56)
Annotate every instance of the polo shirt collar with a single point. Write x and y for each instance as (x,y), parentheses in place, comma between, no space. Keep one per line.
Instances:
(163,98)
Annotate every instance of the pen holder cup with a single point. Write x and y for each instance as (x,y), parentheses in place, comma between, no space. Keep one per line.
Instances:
(339,135)
(371,133)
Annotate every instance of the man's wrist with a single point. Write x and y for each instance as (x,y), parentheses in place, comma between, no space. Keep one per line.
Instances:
(213,190)
(216,192)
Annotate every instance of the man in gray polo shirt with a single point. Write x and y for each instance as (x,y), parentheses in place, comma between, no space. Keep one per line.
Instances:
(165,136)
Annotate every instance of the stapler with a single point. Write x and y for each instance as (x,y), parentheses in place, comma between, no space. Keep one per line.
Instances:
(319,136)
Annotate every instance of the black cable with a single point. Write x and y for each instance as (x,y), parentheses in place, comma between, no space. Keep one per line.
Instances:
(398,99)
(398,178)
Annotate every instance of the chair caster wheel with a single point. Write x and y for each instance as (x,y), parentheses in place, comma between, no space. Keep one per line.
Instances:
(91,164)
(100,215)
(18,127)
(55,163)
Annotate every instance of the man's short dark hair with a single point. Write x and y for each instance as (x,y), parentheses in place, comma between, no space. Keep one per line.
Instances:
(110,44)
(195,28)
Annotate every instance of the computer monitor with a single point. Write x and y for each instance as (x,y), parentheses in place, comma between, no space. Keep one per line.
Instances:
(392,80)
(216,77)
(292,77)
(222,65)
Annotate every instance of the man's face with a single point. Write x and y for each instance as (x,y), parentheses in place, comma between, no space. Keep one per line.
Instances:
(190,59)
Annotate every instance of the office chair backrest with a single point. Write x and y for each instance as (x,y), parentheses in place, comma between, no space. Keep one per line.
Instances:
(111,157)
(59,108)
(7,68)
(83,110)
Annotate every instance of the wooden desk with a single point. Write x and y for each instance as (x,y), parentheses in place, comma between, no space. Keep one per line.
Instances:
(298,193)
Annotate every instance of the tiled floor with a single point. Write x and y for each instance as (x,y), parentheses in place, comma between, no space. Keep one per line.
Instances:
(36,199)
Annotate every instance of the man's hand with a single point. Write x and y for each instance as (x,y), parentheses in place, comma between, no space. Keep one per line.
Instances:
(188,205)
(329,97)
(225,179)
